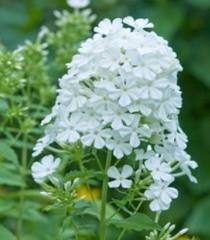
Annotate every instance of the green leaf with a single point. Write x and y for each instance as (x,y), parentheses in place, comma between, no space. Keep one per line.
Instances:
(10,178)
(199,220)
(7,152)
(137,222)
(6,206)
(5,234)
(95,208)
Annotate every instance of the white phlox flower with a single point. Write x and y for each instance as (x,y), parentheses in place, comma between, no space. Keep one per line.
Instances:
(144,155)
(71,133)
(45,141)
(186,167)
(119,146)
(160,195)
(138,24)
(160,170)
(78,3)
(43,169)
(134,132)
(106,27)
(120,177)
(96,137)
(176,135)
(186,164)
(118,117)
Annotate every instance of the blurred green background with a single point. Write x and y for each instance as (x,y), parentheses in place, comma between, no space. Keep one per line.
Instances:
(186,25)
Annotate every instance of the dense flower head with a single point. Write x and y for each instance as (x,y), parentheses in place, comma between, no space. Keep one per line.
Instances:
(121,93)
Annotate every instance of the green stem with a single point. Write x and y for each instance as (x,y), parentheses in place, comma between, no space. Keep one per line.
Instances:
(97,159)
(157,217)
(124,230)
(22,195)
(104,198)
(121,234)
(18,194)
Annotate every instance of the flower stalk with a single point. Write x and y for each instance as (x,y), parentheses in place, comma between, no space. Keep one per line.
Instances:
(104,198)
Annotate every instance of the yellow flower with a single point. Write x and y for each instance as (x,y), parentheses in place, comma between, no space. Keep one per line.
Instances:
(87,193)
(184,238)
(187,238)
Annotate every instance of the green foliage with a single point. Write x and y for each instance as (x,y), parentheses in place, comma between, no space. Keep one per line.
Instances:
(27,89)
(94,210)
(137,222)
(9,176)
(64,41)
(11,75)
(6,234)
(7,152)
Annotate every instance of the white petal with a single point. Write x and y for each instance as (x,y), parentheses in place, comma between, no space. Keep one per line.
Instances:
(126,183)
(56,163)
(118,153)
(127,118)
(149,164)
(145,110)
(167,177)
(164,206)
(155,206)
(73,105)
(62,137)
(134,140)
(114,184)
(172,192)
(124,131)
(127,149)
(39,180)
(99,142)
(127,171)
(144,92)
(165,197)
(129,21)
(110,144)
(155,93)
(117,123)
(73,136)
(113,172)
(37,166)
(192,178)
(87,140)
(124,100)
(149,194)
(47,161)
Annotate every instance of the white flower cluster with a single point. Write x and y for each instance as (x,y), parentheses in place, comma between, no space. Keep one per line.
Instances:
(121,93)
